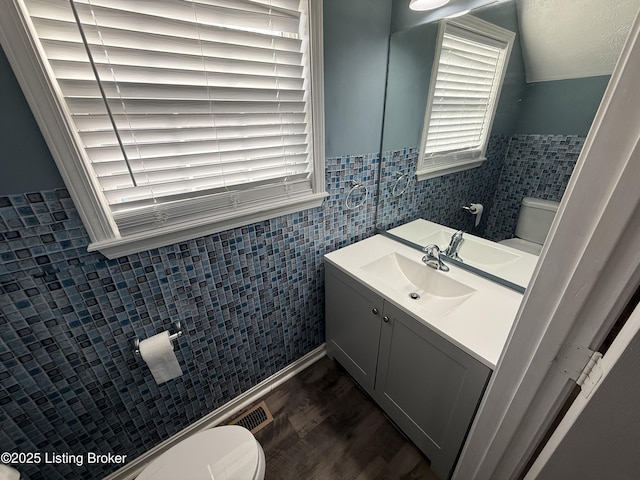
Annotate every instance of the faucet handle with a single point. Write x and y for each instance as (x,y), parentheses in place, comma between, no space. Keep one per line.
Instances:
(432,250)
(432,258)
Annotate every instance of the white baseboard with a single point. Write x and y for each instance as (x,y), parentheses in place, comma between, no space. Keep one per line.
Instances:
(229,409)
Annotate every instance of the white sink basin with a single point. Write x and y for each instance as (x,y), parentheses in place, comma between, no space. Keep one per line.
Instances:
(440,238)
(427,287)
(497,259)
(482,254)
(477,253)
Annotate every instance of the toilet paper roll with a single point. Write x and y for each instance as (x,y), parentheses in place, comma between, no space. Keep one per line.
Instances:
(476,209)
(157,352)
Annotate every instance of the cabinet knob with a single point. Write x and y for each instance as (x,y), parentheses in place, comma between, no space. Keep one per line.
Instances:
(386,319)
(375,310)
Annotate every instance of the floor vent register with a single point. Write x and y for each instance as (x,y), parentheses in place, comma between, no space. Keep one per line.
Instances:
(254,419)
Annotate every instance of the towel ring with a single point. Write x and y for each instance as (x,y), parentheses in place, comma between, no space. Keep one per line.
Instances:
(395,192)
(356,186)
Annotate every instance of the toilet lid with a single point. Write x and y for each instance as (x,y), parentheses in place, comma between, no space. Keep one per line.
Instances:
(221,453)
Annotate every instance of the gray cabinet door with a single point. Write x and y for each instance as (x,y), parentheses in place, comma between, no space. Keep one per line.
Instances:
(353,316)
(428,386)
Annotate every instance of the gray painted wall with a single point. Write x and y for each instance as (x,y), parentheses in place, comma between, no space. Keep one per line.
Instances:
(561,107)
(411,54)
(356,36)
(25,162)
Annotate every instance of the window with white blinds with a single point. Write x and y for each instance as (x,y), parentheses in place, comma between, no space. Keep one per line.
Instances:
(465,85)
(185,111)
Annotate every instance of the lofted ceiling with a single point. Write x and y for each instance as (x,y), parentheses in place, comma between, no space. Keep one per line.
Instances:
(564,39)
(560,39)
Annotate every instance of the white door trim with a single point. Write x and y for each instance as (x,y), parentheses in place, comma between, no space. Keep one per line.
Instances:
(610,456)
(587,271)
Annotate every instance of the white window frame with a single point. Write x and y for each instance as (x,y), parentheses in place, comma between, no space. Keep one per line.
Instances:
(430,166)
(31,72)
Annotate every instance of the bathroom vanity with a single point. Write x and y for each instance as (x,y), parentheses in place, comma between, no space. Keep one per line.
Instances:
(421,342)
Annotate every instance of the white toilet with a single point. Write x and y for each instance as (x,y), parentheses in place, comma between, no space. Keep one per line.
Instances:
(222,453)
(534,221)
(8,473)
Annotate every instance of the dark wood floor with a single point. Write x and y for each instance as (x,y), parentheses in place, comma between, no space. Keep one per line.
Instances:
(326,428)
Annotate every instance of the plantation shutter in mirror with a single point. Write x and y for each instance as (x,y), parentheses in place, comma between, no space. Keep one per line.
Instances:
(466,82)
(467,72)
(184,108)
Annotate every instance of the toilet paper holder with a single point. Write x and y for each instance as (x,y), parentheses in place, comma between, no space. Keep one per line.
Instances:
(176,325)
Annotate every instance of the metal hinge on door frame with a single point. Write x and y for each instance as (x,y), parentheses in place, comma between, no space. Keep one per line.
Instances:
(582,365)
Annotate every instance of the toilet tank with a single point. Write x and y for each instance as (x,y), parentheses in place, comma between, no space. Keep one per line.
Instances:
(535,219)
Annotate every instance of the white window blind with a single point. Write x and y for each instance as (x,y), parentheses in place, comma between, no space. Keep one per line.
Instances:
(184,109)
(466,81)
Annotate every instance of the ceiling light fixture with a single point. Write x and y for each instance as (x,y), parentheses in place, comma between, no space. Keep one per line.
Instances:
(421,5)
(459,14)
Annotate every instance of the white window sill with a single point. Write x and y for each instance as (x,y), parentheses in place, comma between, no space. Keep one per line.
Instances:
(433,171)
(169,235)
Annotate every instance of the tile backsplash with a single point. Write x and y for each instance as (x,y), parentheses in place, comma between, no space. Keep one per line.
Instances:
(439,199)
(250,300)
(517,166)
(538,166)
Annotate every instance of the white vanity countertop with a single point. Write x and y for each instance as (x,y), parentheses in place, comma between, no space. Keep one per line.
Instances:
(518,271)
(479,325)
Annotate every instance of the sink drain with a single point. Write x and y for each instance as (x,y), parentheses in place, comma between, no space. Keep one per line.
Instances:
(414,296)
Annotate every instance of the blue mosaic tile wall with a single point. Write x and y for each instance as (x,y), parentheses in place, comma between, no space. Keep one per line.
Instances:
(517,166)
(536,166)
(439,199)
(250,301)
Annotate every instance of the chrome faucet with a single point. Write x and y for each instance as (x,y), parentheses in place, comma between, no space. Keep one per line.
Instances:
(454,245)
(432,258)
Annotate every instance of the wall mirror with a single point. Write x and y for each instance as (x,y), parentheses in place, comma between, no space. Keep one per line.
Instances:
(562,58)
